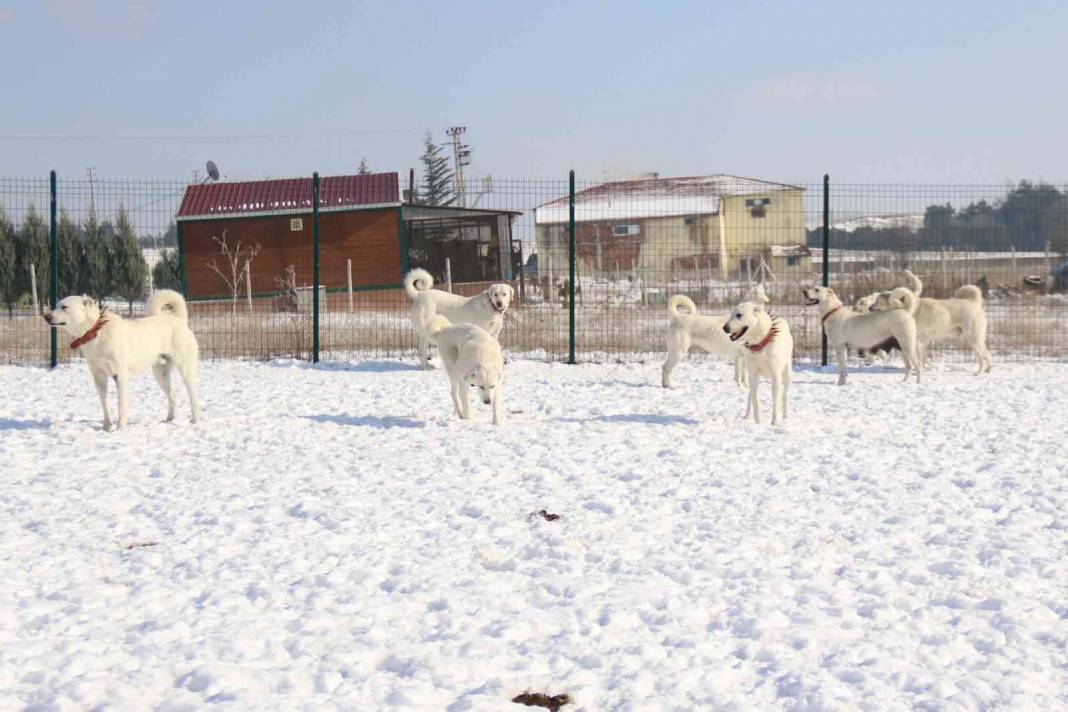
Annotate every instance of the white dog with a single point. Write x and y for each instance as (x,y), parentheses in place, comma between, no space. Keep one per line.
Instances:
(485,309)
(120,348)
(768,352)
(706,332)
(472,357)
(942,318)
(871,331)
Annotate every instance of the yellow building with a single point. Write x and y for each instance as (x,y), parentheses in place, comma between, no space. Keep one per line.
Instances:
(664,228)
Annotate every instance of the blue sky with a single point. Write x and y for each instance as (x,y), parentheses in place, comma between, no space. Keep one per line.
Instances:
(901,92)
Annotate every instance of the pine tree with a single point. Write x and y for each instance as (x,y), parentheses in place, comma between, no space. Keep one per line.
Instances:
(437,178)
(167,274)
(363,169)
(9,290)
(31,248)
(94,276)
(70,255)
(128,267)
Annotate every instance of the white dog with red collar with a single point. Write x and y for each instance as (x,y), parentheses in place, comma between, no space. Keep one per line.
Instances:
(767,352)
(118,349)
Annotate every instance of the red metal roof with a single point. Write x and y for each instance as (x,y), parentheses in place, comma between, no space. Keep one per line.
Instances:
(288,195)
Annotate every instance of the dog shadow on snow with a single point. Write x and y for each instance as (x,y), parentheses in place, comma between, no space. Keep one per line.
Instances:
(360,367)
(646,418)
(13,424)
(368,421)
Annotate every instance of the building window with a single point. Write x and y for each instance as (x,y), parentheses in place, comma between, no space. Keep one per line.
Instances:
(757,206)
(689,221)
(791,261)
(625,230)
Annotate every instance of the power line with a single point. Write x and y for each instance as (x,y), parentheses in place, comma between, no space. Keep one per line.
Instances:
(191,137)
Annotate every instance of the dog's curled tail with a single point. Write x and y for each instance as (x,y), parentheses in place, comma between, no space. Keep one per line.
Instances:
(971,293)
(681,300)
(167,300)
(915,283)
(418,280)
(908,298)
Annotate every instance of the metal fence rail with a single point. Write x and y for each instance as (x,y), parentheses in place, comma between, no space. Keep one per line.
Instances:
(593,262)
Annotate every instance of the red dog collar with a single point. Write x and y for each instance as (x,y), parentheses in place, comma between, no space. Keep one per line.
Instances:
(89,335)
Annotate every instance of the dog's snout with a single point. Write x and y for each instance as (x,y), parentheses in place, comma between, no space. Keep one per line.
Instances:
(727,328)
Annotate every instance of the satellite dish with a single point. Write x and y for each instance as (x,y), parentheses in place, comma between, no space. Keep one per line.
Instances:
(213,170)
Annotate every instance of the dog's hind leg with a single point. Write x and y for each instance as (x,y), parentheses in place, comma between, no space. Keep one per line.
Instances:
(787,374)
(678,344)
(741,372)
(754,397)
(424,352)
(101,380)
(162,372)
(188,369)
(674,358)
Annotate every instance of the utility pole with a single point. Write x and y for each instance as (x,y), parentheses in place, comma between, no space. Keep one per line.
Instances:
(92,194)
(461,156)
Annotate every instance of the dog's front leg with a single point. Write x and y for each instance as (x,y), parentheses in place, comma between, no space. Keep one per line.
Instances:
(843,364)
(776,398)
(122,383)
(465,407)
(754,396)
(497,405)
(454,393)
(101,380)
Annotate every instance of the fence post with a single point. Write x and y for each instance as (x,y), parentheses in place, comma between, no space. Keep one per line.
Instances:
(571,267)
(826,252)
(53,267)
(315,267)
(181,260)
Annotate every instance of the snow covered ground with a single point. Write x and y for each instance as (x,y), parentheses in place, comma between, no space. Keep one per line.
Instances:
(331,538)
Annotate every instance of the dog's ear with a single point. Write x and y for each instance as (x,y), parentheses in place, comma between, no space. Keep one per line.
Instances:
(511,291)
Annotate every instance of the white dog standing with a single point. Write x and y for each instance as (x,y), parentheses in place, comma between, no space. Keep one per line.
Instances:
(768,353)
(472,357)
(871,331)
(486,309)
(942,318)
(119,349)
(706,332)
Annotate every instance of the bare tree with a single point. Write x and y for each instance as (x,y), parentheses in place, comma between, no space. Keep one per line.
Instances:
(288,286)
(239,261)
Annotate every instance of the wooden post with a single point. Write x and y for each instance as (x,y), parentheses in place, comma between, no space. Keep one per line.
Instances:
(33,289)
(248,286)
(945,274)
(349,267)
(448,275)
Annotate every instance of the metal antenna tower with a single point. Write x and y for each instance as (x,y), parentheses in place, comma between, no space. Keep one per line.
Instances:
(461,156)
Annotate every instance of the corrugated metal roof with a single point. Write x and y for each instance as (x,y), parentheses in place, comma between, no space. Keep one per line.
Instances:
(654,197)
(288,195)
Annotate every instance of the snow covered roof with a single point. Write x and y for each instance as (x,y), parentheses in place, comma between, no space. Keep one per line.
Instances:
(908,221)
(788,250)
(654,197)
